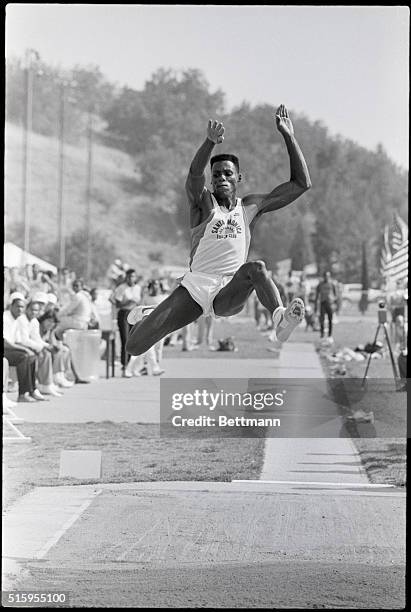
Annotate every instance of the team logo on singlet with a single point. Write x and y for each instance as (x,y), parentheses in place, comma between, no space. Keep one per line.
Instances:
(226,229)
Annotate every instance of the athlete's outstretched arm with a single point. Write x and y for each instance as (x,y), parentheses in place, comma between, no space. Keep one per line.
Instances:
(196,177)
(299,176)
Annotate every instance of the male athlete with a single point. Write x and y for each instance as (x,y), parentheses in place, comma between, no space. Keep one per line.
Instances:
(219,280)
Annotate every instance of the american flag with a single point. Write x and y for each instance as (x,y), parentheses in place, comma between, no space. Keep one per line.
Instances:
(394,254)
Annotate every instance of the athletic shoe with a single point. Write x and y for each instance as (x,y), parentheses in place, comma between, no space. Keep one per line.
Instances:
(25,398)
(158,372)
(50,390)
(285,320)
(138,313)
(39,397)
(126,374)
(62,381)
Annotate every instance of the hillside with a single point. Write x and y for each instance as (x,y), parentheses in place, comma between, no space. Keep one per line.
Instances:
(129,223)
(139,203)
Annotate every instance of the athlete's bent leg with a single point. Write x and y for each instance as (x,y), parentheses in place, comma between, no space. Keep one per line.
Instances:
(251,275)
(177,310)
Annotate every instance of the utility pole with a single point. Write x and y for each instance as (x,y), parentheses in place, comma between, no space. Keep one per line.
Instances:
(61,232)
(88,192)
(28,119)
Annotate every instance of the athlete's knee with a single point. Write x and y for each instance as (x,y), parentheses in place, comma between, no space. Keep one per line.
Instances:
(255,270)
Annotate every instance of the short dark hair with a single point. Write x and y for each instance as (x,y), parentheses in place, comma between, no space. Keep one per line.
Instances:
(224,157)
(130,271)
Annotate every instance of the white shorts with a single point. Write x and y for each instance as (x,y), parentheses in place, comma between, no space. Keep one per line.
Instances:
(203,288)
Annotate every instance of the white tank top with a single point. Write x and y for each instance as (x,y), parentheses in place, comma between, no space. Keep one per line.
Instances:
(219,245)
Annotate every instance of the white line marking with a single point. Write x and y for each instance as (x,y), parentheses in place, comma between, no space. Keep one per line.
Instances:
(307,482)
(56,537)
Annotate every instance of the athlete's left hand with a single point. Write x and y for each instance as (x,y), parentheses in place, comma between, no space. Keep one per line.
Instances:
(284,125)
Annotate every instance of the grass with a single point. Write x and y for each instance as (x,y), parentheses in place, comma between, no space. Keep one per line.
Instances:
(120,214)
(131,452)
(384,458)
(137,452)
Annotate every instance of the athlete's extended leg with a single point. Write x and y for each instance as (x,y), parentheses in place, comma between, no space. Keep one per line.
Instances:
(177,310)
(253,275)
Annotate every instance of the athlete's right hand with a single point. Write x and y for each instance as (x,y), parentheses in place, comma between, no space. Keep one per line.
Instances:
(215,131)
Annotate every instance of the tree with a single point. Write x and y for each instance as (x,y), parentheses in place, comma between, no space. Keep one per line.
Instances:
(301,251)
(363,305)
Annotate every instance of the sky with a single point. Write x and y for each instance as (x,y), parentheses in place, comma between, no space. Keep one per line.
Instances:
(346,66)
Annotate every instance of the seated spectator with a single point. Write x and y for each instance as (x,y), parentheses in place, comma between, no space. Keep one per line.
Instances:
(29,336)
(61,356)
(43,283)
(23,358)
(52,305)
(77,314)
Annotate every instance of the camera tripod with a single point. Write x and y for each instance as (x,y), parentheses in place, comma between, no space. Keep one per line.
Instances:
(382,323)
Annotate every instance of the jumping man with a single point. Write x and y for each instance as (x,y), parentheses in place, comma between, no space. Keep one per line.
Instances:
(220,280)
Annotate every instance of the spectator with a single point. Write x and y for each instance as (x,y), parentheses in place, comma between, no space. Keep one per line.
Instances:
(303,289)
(52,305)
(28,272)
(125,297)
(339,288)
(61,356)
(77,314)
(206,330)
(45,283)
(29,336)
(115,273)
(290,286)
(396,303)
(24,359)
(326,296)
(17,283)
(154,295)
(280,288)
(95,322)
(36,272)
(64,284)
(261,312)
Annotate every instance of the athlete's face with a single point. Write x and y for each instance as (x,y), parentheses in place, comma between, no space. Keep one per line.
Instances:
(224,178)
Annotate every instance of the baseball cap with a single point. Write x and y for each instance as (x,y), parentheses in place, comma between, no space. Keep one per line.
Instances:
(40,297)
(17,295)
(51,298)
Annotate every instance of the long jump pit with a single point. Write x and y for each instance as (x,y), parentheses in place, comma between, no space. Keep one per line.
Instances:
(209,544)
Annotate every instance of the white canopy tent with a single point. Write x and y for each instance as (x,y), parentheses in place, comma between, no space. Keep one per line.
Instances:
(14,256)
